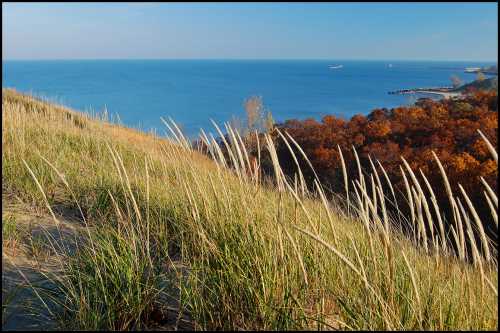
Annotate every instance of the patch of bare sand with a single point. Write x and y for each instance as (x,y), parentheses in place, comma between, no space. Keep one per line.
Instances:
(33,253)
(27,260)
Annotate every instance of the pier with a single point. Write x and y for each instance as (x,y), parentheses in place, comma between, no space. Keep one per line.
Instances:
(444,92)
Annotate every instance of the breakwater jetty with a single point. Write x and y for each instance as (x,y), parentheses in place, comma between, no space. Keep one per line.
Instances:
(445,92)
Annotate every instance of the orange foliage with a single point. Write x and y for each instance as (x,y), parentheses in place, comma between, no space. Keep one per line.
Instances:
(447,127)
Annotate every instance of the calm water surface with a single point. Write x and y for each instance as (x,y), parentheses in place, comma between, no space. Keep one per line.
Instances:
(194,91)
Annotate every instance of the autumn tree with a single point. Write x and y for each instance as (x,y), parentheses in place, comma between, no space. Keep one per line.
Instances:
(446,127)
(456,81)
(258,117)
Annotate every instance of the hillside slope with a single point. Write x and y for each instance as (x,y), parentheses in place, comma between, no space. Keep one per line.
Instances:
(172,239)
(486,84)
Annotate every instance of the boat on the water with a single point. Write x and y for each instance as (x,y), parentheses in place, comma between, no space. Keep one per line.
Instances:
(336,66)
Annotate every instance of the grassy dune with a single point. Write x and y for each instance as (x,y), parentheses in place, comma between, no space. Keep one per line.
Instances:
(164,226)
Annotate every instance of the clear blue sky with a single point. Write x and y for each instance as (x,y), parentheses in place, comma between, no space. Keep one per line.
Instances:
(446,31)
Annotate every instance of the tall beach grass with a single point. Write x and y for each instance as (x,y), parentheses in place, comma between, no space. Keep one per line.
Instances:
(165,227)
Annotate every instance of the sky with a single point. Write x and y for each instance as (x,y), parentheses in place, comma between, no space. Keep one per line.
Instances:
(405,31)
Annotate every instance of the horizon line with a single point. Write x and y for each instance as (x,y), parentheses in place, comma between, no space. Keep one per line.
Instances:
(252,59)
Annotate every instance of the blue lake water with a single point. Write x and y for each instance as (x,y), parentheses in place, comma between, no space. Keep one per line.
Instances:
(194,91)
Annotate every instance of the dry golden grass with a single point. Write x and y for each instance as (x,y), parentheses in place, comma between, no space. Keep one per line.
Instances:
(260,255)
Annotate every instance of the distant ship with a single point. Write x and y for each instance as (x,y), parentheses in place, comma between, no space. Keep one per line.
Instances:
(336,66)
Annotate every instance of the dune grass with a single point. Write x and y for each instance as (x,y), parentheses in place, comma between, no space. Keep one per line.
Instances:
(260,254)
